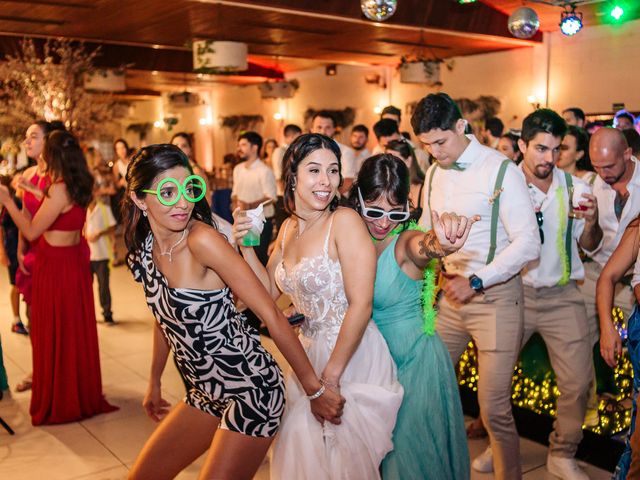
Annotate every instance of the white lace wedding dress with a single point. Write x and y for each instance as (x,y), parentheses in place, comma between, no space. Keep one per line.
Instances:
(305,449)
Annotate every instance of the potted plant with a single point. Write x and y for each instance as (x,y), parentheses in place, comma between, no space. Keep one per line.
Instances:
(279,88)
(416,69)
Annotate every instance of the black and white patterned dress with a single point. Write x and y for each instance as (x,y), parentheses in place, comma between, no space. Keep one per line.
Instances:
(231,375)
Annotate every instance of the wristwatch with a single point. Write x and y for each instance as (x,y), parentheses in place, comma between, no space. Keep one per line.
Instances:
(475,283)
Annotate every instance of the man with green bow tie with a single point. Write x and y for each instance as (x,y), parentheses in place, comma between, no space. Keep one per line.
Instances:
(482,288)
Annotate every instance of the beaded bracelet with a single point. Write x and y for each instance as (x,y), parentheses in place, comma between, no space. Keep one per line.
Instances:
(329,384)
(317,394)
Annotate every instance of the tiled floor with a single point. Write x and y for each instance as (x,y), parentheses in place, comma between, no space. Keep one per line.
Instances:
(105,447)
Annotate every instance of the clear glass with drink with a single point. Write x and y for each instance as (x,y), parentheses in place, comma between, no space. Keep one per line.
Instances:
(252,237)
(576,192)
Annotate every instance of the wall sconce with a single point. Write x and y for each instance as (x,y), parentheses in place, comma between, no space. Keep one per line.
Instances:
(533,100)
(278,116)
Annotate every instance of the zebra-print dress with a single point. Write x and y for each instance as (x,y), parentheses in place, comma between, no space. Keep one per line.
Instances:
(231,375)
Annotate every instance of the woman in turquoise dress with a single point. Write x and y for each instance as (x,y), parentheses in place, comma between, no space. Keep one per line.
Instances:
(429,437)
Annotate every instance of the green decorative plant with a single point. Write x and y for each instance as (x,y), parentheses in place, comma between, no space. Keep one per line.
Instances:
(238,123)
(343,118)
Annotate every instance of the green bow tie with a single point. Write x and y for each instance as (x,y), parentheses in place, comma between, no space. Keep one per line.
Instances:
(456,166)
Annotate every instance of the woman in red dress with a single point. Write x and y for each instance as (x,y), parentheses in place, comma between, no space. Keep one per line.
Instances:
(67,384)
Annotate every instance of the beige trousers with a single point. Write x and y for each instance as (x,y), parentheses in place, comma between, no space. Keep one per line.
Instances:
(494,321)
(558,314)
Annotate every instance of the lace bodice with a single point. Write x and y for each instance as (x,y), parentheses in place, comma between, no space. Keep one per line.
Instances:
(316,288)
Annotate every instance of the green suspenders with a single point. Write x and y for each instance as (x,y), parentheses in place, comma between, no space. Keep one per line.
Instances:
(569,235)
(495,211)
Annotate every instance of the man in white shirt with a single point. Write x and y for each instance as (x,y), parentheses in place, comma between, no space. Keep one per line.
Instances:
(553,304)
(483,297)
(617,190)
(359,139)
(291,132)
(253,184)
(324,123)
(387,130)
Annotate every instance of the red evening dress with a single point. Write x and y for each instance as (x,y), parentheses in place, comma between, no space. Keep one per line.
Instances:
(32,204)
(67,384)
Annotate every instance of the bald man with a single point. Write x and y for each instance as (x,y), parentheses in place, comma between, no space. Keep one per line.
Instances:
(617,190)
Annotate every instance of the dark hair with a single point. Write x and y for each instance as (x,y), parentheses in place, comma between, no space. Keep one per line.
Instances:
(513,138)
(266,142)
(416,175)
(582,145)
(435,111)
(301,148)
(391,110)
(385,128)
(624,114)
(292,129)
(577,112)
(48,127)
(633,139)
(325,114)
(381,175)
(143,169)
(120,140)
(253,138)
(65,160)
(361,128)
(495,126)
(184,135)
(543,120)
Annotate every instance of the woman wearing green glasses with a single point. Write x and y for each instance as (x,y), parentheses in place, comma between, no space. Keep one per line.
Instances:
(429,438)
(235,397)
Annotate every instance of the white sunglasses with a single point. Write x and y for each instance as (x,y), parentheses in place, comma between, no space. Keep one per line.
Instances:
(373,213)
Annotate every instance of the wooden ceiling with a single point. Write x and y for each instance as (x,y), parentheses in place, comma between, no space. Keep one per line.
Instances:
(594,12)
(282,35)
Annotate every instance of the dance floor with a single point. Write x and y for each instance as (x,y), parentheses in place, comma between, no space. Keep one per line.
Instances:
(105,447)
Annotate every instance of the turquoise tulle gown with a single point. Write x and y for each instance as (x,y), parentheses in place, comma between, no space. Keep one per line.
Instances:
(429,438)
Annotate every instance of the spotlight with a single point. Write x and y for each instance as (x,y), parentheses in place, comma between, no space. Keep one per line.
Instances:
(617,12)
(570,21)
(331,70)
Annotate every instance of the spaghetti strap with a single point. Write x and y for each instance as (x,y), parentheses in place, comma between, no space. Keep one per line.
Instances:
(284,235)
(325,249)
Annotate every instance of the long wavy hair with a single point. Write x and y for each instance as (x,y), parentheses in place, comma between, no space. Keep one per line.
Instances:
(301,148)
(383,175)
(65,161)
(143,169)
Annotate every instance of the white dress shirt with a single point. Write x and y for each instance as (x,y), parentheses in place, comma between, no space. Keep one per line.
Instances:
(635,280)
(277,156)
(612,228)
(361,156)
(252,183)
(348,161)
(471,192)
(547,270)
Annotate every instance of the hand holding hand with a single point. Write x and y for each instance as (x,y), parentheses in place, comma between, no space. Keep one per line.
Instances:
(154,405)
(329,406)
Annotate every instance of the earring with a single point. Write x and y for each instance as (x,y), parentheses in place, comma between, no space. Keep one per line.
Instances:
(293,185)
(144,213)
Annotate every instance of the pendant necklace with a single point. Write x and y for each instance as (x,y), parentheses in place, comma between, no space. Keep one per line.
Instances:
(170,251)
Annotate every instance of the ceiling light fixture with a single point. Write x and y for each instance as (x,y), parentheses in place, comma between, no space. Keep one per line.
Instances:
(570,21)
(617,12)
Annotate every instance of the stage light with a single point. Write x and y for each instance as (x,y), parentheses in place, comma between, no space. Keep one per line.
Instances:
(570,22)
(617,12)
(463,2)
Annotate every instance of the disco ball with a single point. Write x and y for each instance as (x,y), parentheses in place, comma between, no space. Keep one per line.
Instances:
(524,23)
(378,10)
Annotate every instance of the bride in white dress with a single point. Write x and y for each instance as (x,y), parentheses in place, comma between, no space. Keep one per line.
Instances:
(324,260)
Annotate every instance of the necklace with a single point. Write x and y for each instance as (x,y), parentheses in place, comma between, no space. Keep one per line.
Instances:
(170,251)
